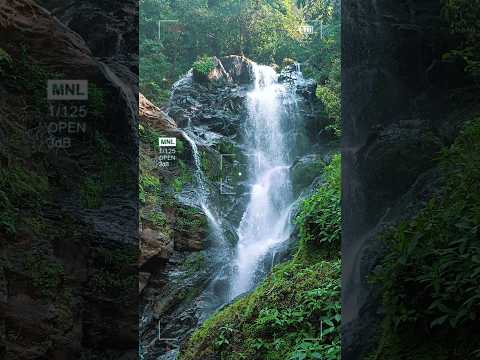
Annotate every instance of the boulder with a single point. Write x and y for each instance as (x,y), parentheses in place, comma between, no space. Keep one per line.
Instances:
(155,249)
(239,68)
(153,116)
(304,87)
(217,75)
(105,26)
(71,55)
(305,171)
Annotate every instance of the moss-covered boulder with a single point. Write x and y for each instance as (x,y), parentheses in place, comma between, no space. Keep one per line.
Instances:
(305,171)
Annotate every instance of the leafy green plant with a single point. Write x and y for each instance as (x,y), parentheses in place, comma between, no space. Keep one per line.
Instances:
(180,147)
(430,273)
(149,136)
(319,217)
(226,332)
(332,103)
(293,314)
(149,188)
(204,65)
(462,17)
(158,218)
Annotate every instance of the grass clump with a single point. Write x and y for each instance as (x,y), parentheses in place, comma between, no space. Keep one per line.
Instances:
(204,65)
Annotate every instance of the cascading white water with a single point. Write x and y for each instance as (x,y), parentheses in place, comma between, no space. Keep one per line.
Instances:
(266,220)
(202,191)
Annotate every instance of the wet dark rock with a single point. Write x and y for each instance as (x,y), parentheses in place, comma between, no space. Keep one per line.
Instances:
(239,68)
(304,87)
(217,75)
(143,278)
(155,249)
(106,27)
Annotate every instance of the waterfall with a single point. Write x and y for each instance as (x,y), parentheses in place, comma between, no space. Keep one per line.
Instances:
(202,190)
(266,220)
(267,139)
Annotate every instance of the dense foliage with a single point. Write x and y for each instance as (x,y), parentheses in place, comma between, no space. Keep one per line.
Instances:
(174,34)
(295,312)
(463,17)
(430,274)
(204,65)
(319,218)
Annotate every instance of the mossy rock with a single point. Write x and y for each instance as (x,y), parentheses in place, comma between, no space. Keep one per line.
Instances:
(190,229)
(305,171)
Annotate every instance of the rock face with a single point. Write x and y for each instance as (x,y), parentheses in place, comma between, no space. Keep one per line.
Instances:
(228,69)
(65,293)
(106,27)
(73,54)
(395,112)
(219,107)
(305,87)
(155,249)
(239,68)
(150,114)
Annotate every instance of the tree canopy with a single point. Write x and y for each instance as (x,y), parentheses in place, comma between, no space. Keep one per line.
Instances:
(175,33)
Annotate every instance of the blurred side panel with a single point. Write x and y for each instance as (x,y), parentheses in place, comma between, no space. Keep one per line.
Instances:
(68,179)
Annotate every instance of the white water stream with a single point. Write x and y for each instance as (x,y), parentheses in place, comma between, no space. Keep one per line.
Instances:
(266,220)
(202,191)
